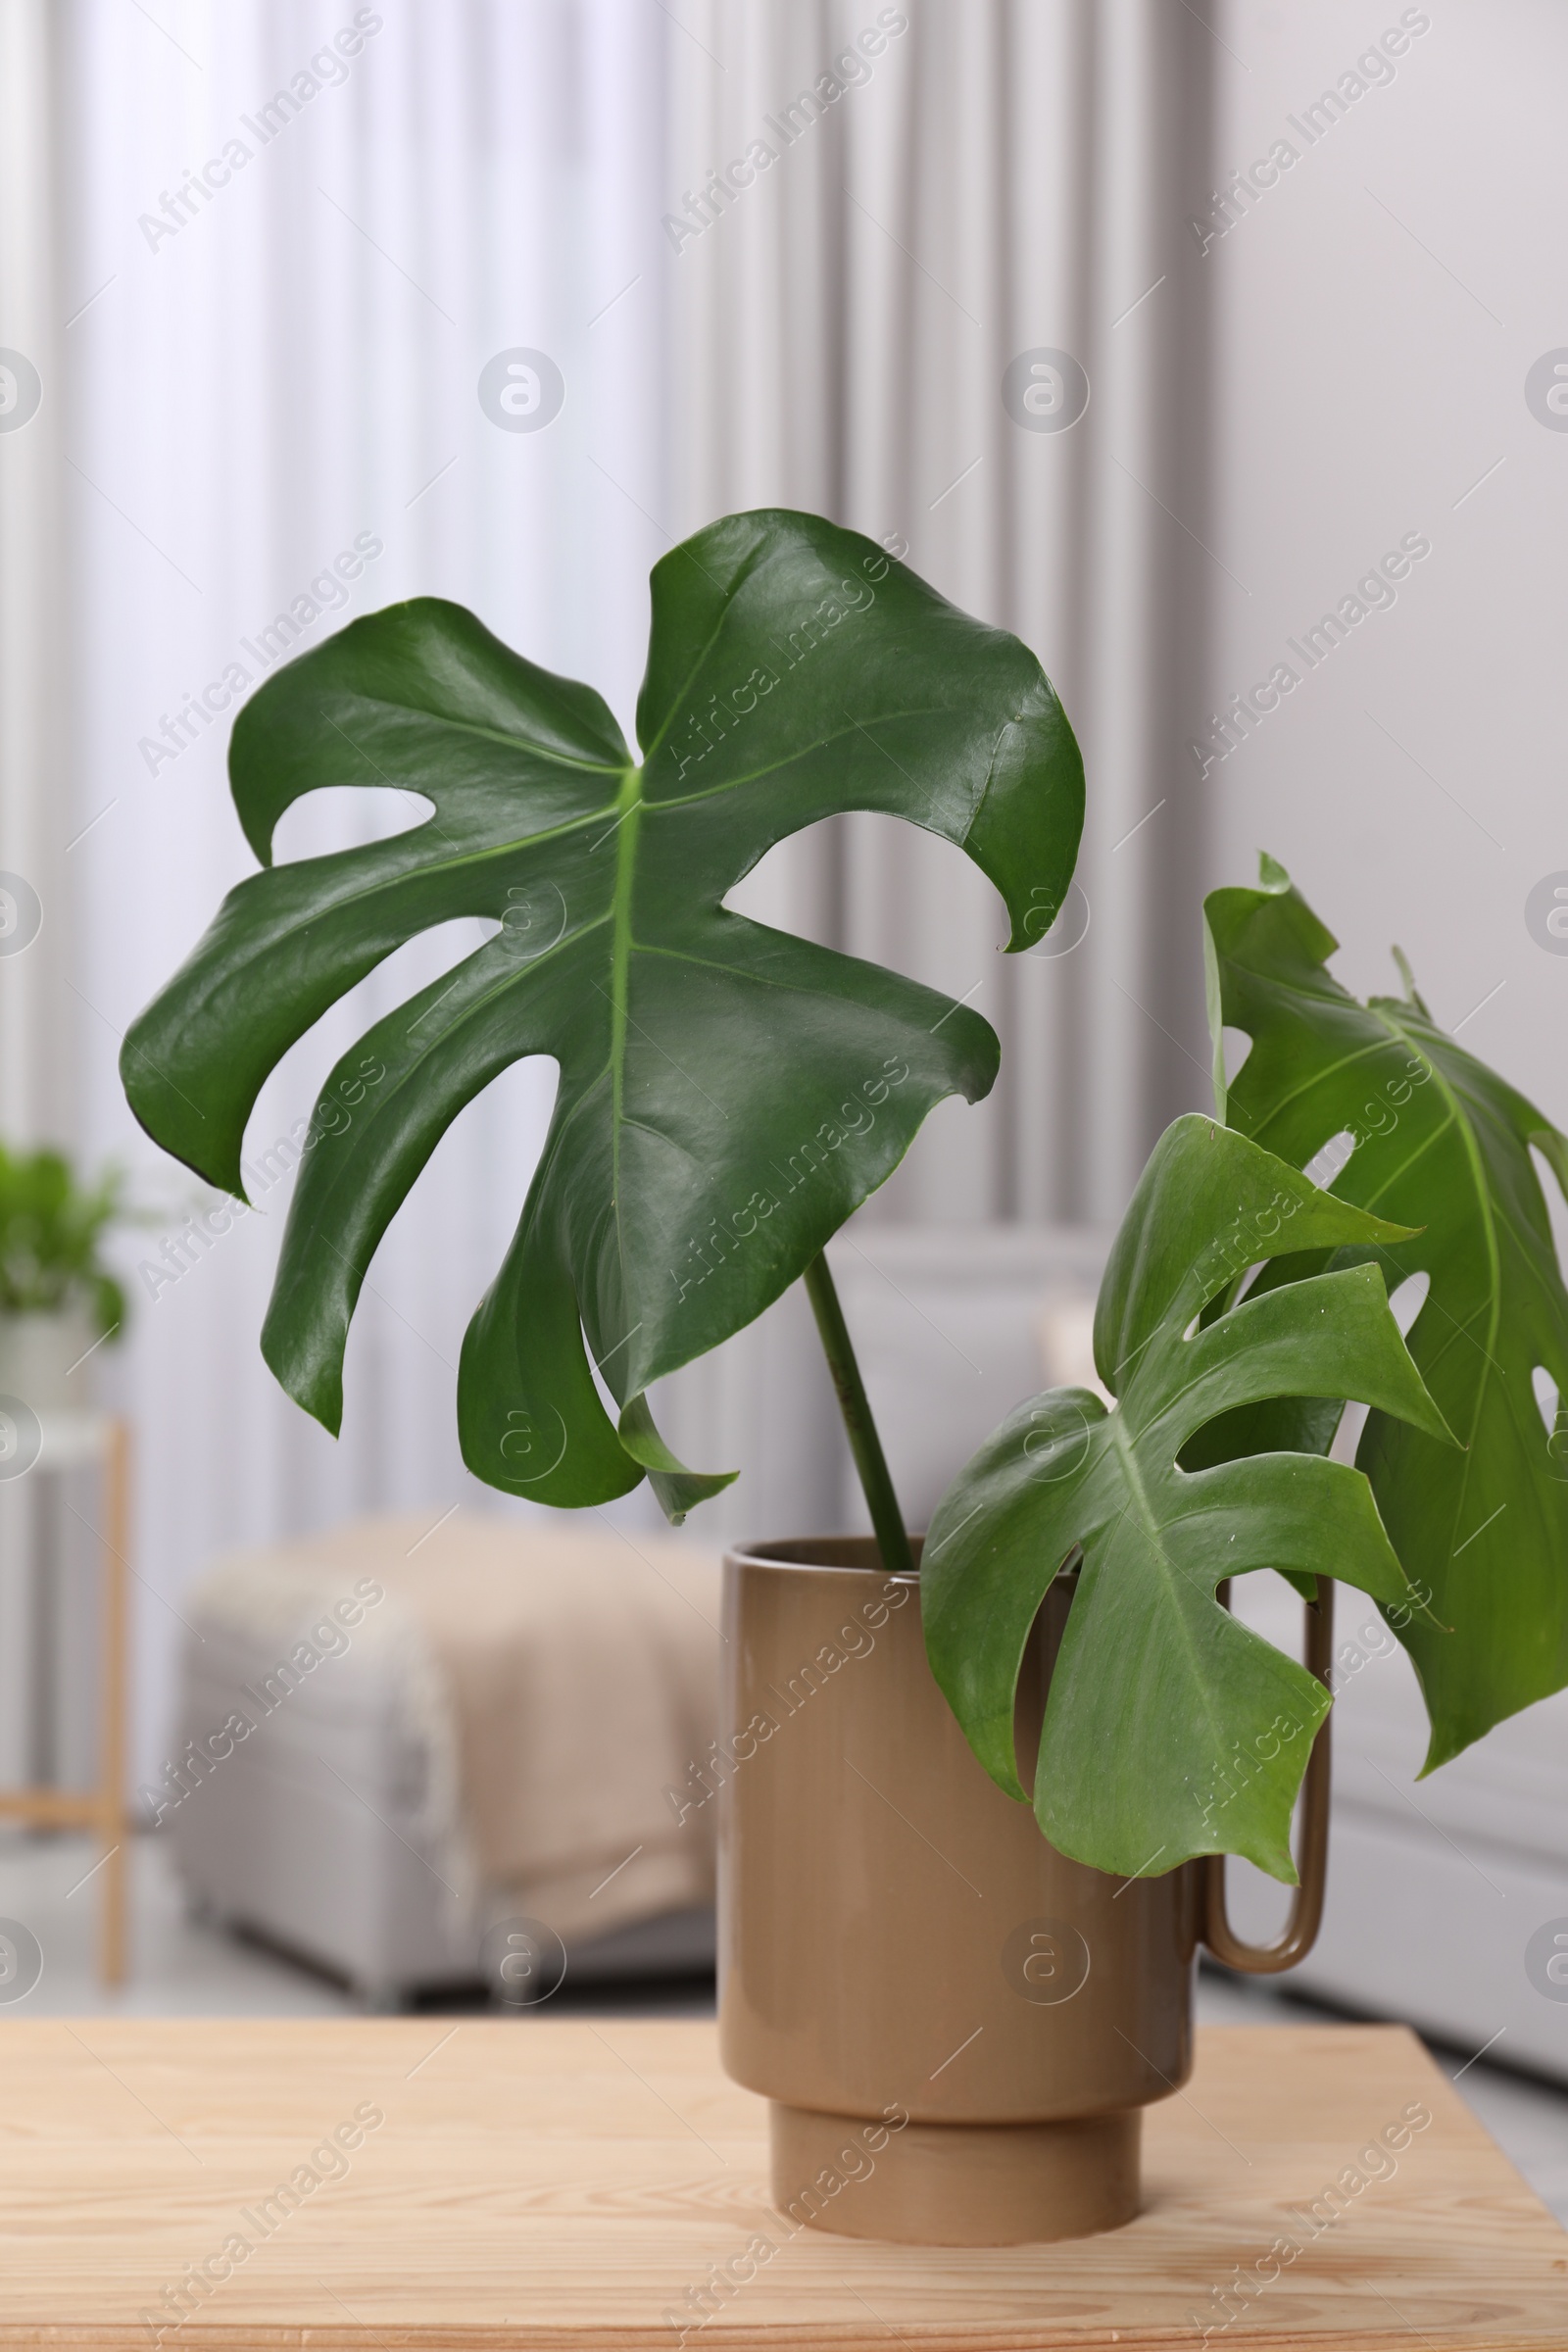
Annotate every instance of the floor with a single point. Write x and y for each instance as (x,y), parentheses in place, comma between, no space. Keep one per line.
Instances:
(183,1967)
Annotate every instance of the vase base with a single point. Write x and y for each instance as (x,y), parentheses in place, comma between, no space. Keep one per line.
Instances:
(955,2184)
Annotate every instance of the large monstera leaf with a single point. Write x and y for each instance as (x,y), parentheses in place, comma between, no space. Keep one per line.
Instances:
(1170,1728)
(1440,1141)
(728,1093)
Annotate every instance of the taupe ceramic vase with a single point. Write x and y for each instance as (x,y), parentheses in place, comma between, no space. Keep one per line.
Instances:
(957,2027)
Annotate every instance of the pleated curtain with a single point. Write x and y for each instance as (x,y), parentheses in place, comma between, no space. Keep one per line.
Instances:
(254,368)
(286,378)
(995,178)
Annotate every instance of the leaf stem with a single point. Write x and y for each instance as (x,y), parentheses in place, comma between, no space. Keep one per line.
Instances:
(870,1462)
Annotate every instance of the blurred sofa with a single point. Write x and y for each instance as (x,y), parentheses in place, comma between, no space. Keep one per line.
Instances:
(503,1730)
(397,1737)
(512,1719)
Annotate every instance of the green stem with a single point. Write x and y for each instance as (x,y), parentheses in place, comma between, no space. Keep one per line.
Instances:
(866,1446)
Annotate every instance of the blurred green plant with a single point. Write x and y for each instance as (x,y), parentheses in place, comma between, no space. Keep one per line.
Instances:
(50,1228)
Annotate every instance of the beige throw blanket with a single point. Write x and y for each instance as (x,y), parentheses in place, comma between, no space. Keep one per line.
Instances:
(564,1679)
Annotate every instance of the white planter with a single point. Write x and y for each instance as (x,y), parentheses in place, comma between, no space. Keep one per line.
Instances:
(37,1356)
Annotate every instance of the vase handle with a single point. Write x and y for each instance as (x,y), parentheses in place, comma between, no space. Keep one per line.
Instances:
(1307,1909)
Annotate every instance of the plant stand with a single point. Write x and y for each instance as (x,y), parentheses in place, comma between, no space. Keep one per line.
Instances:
(486,2184)
(70,1441)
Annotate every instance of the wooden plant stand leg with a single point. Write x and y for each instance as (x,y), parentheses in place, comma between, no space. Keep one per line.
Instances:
(111,1808)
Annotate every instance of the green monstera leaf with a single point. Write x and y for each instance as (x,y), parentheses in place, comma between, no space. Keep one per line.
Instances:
(728,1093)
(1440,1141)
(1170,1728)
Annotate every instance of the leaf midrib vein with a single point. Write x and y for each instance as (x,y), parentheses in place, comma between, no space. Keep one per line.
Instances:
(660,1136)
(1319,1077)
(629,800)
(471,726)
(727,596)
(1489,1228)
(1125,1445)
(692,800)
(1395,1031)
(1429,1142)
(438,868)
(799,988)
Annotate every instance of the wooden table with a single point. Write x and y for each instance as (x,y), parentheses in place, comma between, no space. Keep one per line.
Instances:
(558,2182)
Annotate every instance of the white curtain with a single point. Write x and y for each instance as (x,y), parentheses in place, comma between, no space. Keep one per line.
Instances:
(995,178)
(254,363)
(36,1093)
(286,377)
(911,202)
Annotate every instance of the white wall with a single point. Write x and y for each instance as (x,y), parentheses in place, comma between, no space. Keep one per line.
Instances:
(1376,313)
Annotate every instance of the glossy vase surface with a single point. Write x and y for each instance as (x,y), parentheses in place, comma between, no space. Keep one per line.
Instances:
(957,2027)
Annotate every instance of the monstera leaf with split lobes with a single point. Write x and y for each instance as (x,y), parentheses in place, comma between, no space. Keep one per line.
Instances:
(1170,1728)
(1440,1141)
(728,1093)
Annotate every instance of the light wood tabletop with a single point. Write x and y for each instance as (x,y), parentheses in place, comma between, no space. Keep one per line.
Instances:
(419,2183)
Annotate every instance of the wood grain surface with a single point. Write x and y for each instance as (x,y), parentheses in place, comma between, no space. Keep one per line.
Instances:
(539,2183)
